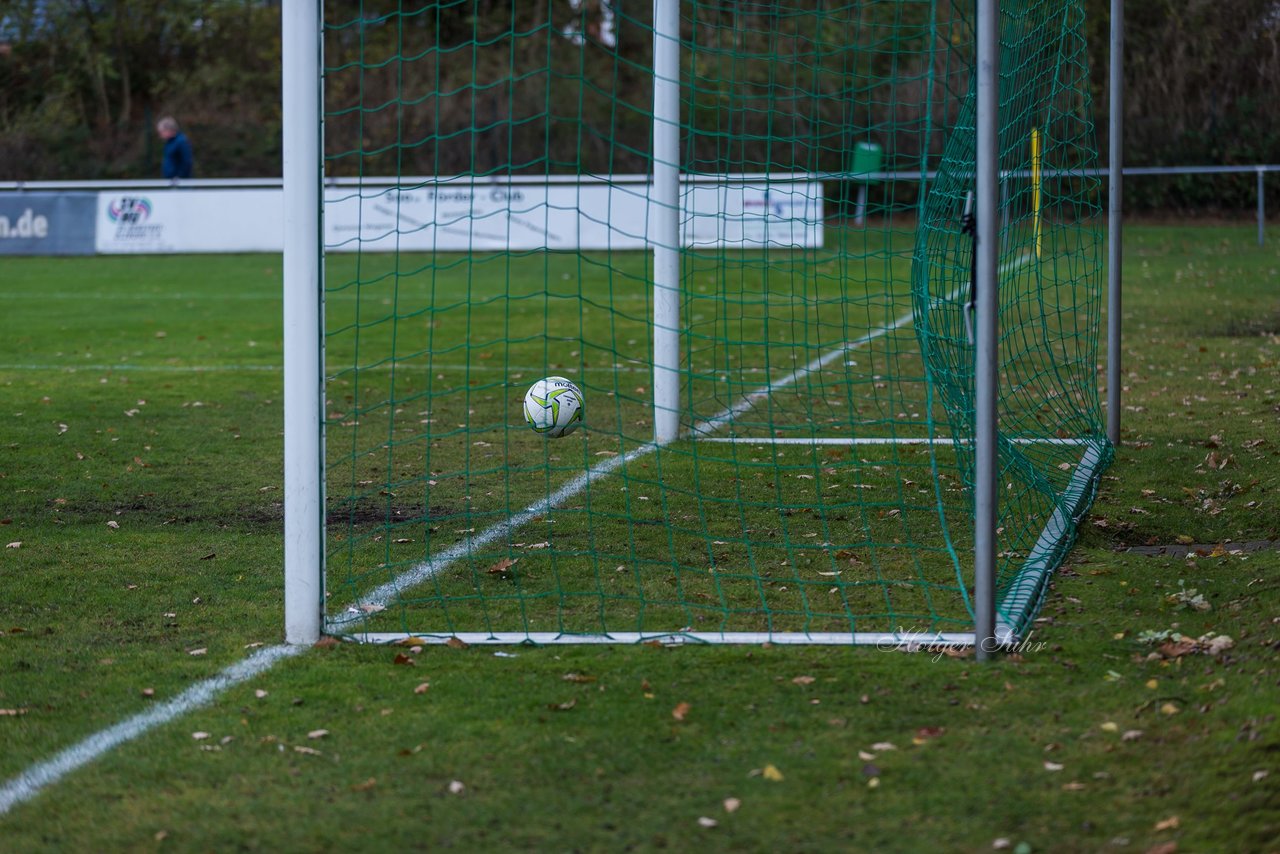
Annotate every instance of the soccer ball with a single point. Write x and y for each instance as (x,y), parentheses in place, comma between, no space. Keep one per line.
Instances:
(553,407)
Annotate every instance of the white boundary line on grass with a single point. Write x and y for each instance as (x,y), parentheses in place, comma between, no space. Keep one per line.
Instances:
(30,782)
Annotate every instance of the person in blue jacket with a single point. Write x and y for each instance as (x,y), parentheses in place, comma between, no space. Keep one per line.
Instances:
(178,161)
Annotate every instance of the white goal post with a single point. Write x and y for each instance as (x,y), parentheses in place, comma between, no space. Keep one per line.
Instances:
(301,40)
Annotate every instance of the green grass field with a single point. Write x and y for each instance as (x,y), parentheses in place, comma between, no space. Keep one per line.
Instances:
(141,479)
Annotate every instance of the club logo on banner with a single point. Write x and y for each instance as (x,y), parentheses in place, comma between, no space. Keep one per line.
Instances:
(130,224)
(129,210)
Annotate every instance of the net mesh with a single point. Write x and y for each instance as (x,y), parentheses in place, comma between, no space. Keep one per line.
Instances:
(489,222)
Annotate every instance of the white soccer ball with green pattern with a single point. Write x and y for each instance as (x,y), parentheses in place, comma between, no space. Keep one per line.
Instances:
(553,407)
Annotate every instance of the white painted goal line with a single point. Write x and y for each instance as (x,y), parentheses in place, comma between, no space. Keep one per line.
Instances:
(30,782)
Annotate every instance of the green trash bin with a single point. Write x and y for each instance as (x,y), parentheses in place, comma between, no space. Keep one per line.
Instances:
(867,160)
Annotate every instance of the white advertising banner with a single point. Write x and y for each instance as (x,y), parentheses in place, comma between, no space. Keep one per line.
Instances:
(457,216)
(727,213)
(164,221)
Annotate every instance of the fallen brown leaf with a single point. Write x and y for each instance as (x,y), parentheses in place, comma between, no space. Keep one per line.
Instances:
(501,567)
(1177,649)
(681,711)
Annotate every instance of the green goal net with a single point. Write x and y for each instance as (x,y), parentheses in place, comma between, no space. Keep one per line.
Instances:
(753,260)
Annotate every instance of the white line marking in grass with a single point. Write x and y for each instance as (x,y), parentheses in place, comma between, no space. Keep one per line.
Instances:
(28,784)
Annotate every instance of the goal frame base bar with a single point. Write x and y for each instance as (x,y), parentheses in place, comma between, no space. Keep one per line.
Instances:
(1022,597)
(883,640)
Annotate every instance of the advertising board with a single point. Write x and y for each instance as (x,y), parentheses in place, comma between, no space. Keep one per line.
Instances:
(460,216)
(46,223)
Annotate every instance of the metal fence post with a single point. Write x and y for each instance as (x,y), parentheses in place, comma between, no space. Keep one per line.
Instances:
(1115,213)
(1262,208)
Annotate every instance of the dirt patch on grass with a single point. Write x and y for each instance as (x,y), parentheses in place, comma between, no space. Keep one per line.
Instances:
(372,514)
(1248,326)
(1204,549)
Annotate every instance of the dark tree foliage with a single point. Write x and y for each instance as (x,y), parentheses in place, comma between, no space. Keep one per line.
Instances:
(82,83)
(1201,81)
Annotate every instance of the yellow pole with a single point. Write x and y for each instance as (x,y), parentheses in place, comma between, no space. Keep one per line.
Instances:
(1035,188)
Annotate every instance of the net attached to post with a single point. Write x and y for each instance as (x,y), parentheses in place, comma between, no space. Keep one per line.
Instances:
(490,220)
